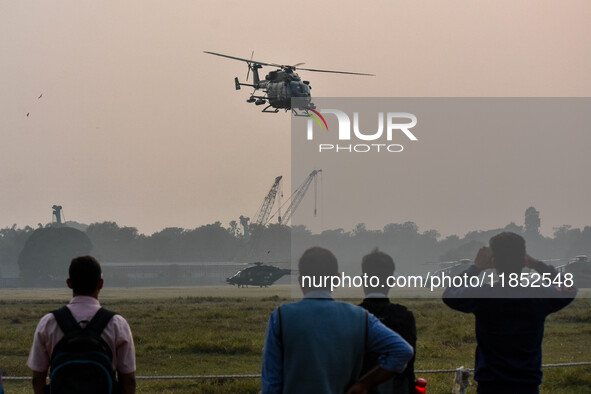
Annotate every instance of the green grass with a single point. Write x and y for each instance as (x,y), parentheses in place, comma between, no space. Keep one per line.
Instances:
(186,332)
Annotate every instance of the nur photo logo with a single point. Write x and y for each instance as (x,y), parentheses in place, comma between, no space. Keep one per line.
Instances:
(390,126)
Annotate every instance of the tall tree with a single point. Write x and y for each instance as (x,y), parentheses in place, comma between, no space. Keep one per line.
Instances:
(113,243)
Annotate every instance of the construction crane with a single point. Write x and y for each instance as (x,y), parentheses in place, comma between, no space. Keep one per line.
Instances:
(262,218)
(265,209)
(252,234)
(297,197)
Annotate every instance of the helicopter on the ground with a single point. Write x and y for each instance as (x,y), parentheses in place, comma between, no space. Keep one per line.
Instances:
(445,269)
(279,86)
(260,274)
(451,268)
(580,268)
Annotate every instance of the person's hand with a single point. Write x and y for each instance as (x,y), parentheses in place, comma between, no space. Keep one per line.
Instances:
(484,259)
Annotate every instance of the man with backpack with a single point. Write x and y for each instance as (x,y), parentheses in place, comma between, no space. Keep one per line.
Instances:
(89,349)
(394,316)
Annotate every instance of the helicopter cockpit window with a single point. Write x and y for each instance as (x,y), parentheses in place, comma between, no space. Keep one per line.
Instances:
(298,89)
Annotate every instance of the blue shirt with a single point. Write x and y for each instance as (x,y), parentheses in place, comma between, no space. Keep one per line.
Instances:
(394,351)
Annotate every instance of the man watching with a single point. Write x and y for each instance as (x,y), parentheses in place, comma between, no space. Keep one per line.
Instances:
(394,316)
(509,319)
(317,345)
(85,280)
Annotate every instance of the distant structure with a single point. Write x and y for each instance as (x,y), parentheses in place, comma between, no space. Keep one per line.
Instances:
(263,216)
(298,195)
(532,222)
(580,268)
(253,230)
(265,209)
(244,222)
(41,261)
(57,212)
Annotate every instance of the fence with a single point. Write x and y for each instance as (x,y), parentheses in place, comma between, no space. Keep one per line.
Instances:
(255,376)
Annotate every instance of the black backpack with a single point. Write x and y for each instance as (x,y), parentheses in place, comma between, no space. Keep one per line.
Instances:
(82,362)
(398,318)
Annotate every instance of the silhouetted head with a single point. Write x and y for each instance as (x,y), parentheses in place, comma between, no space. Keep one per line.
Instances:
(317,263)
(380,265)
(508,252)
(85,276)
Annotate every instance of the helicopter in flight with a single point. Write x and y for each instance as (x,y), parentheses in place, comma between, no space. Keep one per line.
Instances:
(260,274)
(279,86)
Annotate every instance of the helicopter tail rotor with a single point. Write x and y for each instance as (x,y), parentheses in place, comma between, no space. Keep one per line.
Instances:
(249,65)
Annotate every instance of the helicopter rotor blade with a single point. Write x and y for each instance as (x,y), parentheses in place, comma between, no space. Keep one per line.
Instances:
(249,63)
(244,60)
(336,72)
(298,64)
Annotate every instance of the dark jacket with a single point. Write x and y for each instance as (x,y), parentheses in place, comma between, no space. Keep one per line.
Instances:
(399,319)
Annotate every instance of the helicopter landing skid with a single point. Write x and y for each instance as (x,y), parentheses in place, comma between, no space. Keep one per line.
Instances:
(300,112)
(266,109)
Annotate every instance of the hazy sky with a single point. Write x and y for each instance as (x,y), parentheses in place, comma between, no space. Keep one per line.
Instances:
(137,125)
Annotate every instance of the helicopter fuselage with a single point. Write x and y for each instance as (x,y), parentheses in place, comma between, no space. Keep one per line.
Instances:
(258,275)
(283,87)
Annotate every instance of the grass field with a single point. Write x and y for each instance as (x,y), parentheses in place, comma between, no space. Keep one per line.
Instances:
(220,330)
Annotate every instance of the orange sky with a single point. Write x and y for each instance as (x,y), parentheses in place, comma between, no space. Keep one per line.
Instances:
(138,126)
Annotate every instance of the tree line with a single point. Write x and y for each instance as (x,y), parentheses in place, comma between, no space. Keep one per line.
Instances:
(410,247)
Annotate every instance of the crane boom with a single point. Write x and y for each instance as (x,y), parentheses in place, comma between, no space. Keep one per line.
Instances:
(268,202)
(297,197)
(262,218)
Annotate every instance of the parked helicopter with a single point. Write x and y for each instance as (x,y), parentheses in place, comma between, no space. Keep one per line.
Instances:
(279,86)
(451,268)
(580,268)
(259,275)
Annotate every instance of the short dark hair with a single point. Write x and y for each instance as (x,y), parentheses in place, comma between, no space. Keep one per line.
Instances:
(508,250)
(378,263)
(85,273)
(318,261)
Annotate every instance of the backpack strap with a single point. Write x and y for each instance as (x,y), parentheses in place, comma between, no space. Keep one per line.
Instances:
(67,323)
(65,320)
(100,320)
